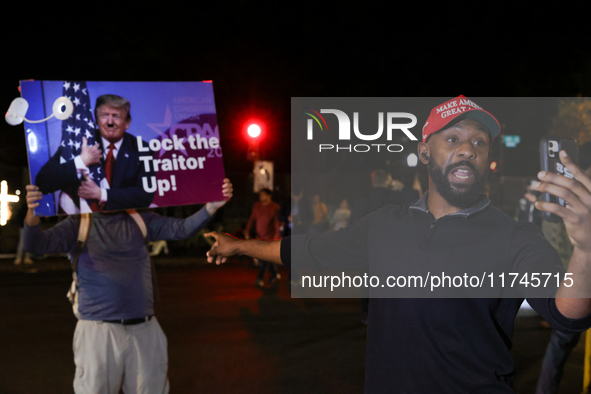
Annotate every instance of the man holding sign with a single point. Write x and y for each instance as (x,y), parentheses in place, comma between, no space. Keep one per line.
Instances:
(121,187)
(118,343)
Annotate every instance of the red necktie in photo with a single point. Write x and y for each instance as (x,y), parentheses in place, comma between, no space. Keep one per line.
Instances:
(110,163)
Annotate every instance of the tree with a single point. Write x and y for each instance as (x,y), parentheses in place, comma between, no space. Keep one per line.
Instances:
(573,119)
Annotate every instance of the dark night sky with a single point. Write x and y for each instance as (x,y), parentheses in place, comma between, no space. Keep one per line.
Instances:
(258,57)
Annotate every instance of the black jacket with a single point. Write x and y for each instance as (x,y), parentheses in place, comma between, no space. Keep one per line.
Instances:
(437,345)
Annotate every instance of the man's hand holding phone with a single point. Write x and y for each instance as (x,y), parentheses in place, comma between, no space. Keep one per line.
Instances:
(577,194)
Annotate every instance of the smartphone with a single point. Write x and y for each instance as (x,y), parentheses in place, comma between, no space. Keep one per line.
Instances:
(550,162)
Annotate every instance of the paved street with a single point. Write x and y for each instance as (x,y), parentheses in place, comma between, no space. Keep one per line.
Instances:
(224,334)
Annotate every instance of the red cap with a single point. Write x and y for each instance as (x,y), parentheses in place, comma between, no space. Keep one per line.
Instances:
(443,114)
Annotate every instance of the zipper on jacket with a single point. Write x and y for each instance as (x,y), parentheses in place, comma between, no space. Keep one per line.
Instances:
(429,235)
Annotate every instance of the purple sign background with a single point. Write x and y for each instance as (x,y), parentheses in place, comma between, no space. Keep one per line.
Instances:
(174,129)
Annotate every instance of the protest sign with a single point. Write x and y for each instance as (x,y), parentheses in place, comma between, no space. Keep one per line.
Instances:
(169,153)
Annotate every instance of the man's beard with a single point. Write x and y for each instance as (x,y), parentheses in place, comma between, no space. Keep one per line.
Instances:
(454,197)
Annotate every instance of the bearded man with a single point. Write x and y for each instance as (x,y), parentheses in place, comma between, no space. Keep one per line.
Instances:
(460,344)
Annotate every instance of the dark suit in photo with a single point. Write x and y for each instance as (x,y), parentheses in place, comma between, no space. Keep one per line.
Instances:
(126,190)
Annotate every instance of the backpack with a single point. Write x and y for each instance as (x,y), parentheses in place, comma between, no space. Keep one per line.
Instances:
(83,231)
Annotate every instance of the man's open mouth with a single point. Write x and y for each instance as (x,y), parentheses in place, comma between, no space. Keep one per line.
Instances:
(462,173)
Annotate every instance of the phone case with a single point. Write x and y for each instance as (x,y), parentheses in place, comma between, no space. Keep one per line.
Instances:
(550,162)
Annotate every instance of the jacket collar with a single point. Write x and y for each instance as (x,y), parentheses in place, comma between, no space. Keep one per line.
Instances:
(478,206)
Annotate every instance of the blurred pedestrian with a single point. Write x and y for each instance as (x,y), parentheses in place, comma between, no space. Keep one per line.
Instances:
(378,196)
(21,255)
(526,211)
(301,212)
(320,210)
(341,216)
(264,219)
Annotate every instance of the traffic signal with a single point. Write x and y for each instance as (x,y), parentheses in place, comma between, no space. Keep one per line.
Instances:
(254,130)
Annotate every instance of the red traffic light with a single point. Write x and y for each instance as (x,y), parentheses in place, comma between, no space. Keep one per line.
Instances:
(254,133)
(253,130)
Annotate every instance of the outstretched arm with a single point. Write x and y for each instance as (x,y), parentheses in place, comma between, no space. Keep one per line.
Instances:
(225,246)
(577,220)
(166,228)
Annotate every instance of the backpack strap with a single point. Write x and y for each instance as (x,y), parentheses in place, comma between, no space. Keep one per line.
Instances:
(83,231)
(142,225)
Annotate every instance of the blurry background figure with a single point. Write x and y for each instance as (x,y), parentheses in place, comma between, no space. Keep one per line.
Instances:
(404,191)
(156,247)
(299,219)
(264,219)
(284,216)
(416,184)
(379,195)
(341,216)
(526,211)
(320,210)
(561,344)
(21,256)
(396,185)
(301,212)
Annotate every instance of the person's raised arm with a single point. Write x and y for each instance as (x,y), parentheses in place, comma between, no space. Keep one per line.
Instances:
(58,239)
(33,198)
(168,229)
(227,192)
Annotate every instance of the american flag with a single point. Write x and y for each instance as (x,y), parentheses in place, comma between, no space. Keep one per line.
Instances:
(80,124)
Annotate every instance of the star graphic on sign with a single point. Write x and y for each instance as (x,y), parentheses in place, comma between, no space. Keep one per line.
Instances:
(84,91)
(76,87)
(77,101)
(77,116)
(77,131)
(88,134)
(67,85)
(90,124)
(69,129)
(161,128)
